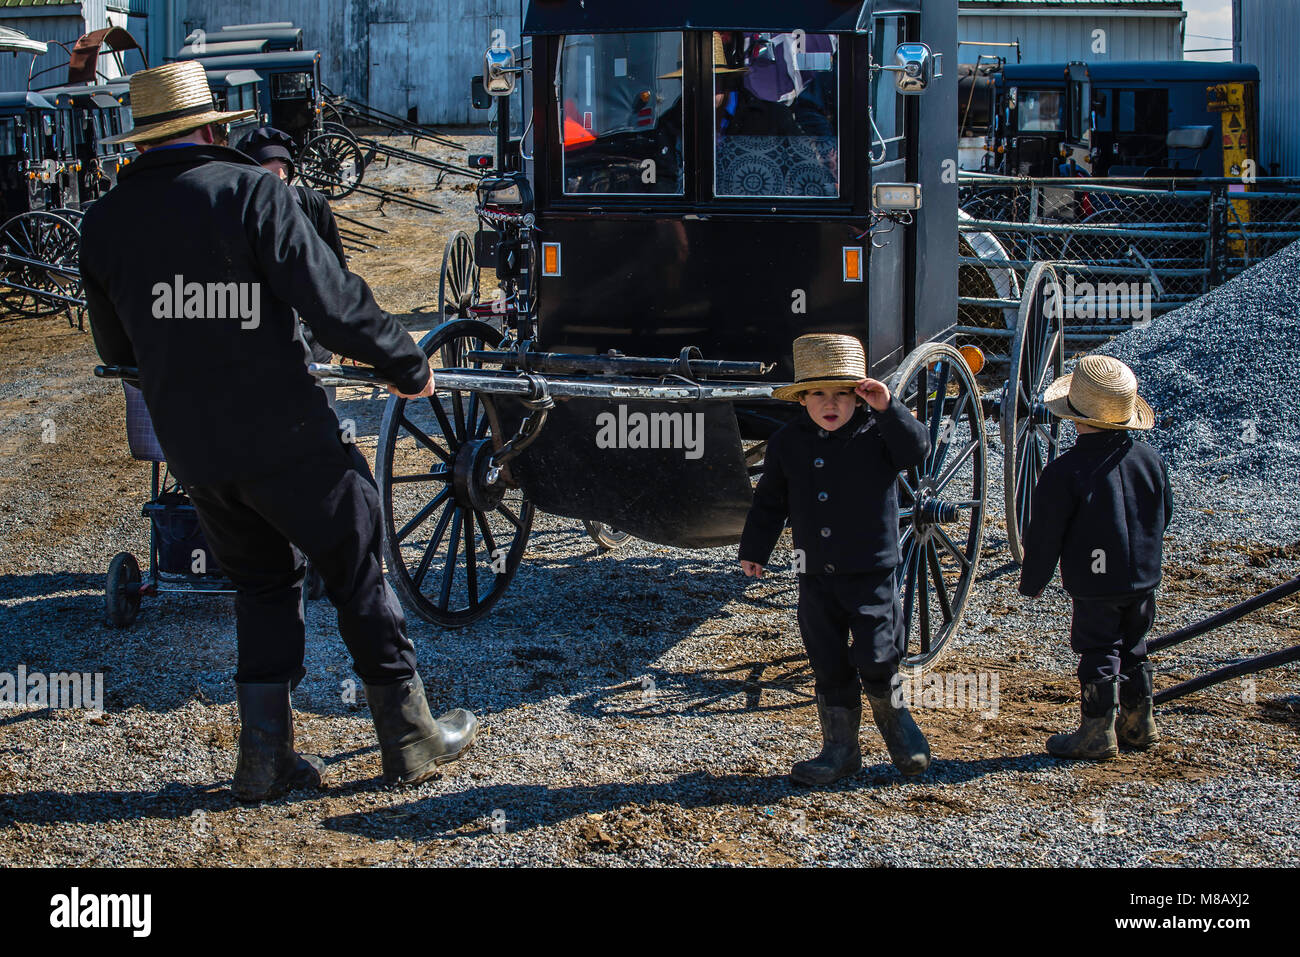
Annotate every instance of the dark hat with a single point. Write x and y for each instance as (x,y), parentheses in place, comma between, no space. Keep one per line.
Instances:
(268,143)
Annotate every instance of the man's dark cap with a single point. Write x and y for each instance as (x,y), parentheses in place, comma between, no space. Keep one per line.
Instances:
(268,143)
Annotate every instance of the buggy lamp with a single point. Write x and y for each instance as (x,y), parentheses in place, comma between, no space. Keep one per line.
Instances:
(896,197)
(974,358)
(480,161)
(551,259)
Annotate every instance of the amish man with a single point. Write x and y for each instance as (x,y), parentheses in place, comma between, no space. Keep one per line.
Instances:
(192,266)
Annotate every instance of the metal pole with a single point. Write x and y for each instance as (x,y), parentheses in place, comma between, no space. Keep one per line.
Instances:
(1247,667)
(1227,616)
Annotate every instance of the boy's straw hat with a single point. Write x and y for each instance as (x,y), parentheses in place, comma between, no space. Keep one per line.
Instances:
(1101,392)
(824,361)
(720,64)
(171,100)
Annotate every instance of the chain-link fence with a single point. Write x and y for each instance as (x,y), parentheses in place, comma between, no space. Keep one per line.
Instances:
(1128,250)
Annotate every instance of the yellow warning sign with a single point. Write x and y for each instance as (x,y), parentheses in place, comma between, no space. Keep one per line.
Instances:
(1229,100)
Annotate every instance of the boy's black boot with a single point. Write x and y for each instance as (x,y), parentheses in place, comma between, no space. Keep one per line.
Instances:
(1095,739)
(907,746)
(411,743)
(1136,725)
(840,755)
(267,765)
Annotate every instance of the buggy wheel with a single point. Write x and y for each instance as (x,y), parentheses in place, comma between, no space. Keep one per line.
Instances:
(1030,436)
(122,590)
(332,163)
(606,536)
(44,237)
(458,289)
(941,502)
(452,539)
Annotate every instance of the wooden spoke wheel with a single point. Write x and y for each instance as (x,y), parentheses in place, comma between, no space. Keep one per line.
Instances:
(453,536)
(333,163)
(607,537)
(941,502)
(1030,436)
(458,289)
(44,237)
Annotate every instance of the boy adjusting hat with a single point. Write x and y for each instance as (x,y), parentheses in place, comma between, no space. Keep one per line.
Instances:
(824,361)
(170,100)
(1101,392)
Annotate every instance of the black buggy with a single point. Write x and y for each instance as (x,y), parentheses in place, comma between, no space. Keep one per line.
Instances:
(690,194)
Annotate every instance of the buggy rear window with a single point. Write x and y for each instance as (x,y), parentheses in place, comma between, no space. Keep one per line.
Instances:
(1041,111)
(776,114)
(620,97)
(291,85)
(8,136)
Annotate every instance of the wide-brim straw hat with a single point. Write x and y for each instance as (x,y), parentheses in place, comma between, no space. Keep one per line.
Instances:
(719,62)
(169,100)
(824,361)
(1101,392)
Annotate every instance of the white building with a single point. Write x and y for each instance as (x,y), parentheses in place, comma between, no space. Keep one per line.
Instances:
(1267,34)
(1051,31)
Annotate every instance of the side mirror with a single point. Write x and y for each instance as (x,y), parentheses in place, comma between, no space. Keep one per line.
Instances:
(914,69)
(499,72)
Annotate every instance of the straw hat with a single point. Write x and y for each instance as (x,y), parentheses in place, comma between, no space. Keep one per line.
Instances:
(824,361)
(719,62)
(1101,392)
(171,100)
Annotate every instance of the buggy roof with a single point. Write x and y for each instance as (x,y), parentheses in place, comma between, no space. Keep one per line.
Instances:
(82,95)
(23,101)
(195,51)
(276,38)
(233,77)
(278,60)
(619,16)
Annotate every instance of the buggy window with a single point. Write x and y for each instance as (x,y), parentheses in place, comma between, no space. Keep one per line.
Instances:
(1142,111)
(290,85)
(620,117)
(8,136)
(776,114)
(1041,111)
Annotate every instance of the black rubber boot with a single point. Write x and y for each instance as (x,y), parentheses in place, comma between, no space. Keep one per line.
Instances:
(267,765)
(411,743)
(840,755)
(1095,739)
(1136,725)
(907,746)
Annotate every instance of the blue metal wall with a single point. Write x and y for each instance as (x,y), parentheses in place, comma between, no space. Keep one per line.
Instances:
(1269,37)
(73,21)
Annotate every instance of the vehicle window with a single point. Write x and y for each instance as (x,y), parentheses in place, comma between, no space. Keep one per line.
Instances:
(1142,111)
(1041,111)
(776,114)
(621,114)
(8,137)
(887,106)
(290,85)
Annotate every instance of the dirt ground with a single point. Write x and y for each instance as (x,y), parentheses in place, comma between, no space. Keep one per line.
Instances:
(604,783)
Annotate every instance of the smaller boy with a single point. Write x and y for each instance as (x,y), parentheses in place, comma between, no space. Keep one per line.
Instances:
(1101,510)
(834,474)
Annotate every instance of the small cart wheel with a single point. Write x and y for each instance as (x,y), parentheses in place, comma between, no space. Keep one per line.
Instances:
(332,163)
(122,591)
(454,533)
(606,536)
(941,502)
(458,289)
(1030,436)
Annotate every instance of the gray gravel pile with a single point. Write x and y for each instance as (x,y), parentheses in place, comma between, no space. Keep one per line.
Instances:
(1221,375)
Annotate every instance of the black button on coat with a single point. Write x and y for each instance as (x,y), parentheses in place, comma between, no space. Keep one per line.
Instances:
(1101,510)
(229,399)
(838,489)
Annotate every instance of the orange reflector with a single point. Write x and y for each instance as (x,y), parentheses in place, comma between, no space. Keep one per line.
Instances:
(853,264)
(550,259)
(974,358)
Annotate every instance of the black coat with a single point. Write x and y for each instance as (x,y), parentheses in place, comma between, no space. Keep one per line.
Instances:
(317,207)
(839,490)
(230,398)
(1103,504)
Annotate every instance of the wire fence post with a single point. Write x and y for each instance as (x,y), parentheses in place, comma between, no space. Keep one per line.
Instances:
(1218,245)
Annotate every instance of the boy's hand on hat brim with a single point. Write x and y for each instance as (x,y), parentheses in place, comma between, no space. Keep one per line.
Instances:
(875,393)
(751,569)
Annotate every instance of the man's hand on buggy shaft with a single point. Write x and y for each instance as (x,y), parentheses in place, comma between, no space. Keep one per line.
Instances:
(367,375)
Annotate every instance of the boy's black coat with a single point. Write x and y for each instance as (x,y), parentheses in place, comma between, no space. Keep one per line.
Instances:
(1108,493)
(228,402)
(858,476)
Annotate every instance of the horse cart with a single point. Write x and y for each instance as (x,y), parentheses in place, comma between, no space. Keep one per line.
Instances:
(690,195)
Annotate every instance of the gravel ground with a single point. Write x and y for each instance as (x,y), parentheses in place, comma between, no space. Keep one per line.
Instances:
(640,707)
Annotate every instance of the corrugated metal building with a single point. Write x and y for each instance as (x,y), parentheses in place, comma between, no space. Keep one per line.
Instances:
(397,55)
(1052,31)
(63,21)
(1267,34)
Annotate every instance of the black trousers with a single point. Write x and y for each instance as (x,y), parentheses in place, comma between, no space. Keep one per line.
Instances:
(865,606)
(326,506)
(1109,634)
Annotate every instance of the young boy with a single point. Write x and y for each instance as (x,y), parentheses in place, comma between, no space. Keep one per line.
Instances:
(833,472)
(1101,510)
